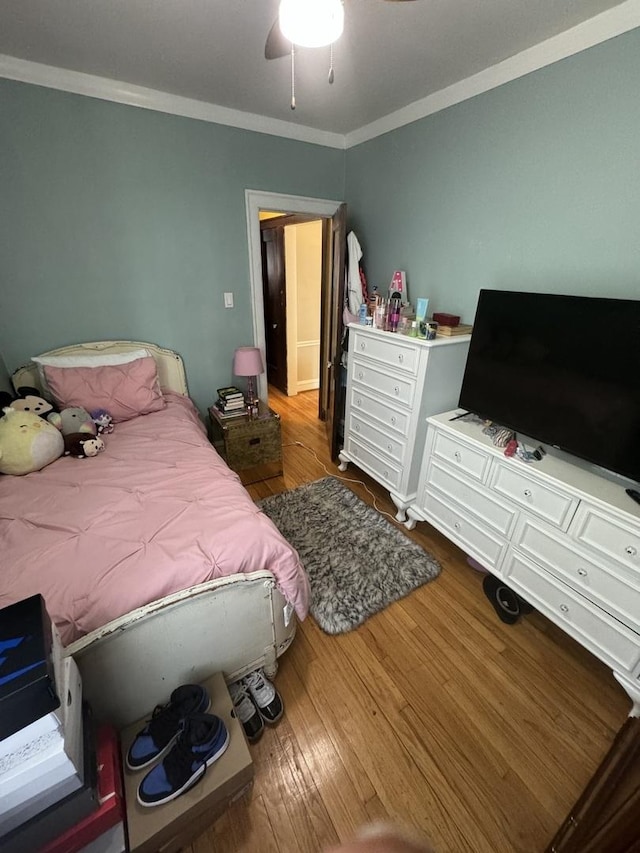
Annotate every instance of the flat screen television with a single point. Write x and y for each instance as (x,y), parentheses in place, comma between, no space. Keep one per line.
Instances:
(563,370)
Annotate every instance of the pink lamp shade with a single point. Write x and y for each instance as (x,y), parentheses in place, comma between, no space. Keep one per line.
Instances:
(247,361)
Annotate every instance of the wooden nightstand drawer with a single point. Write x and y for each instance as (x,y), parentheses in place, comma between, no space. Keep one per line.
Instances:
(252,447)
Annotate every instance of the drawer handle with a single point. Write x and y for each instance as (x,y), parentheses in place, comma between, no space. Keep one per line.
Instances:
(393,420)
(630,550)
(457,525)
(360,375)
(363,345)
(396,390)
(400,358)
(564,608)
(254,440)
(527,493)
(357,427)
(389,447)
(358,402)
(385,474)
(582,573)
(457,456)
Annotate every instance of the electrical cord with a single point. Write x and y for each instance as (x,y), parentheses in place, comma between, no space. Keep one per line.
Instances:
(345,479)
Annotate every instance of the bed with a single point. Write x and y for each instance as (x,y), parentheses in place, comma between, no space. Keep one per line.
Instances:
(155,564)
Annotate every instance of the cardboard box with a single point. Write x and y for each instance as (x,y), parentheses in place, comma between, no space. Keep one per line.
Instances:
(168,828)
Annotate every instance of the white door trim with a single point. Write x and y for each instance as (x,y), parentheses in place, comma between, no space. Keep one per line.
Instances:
(255,201)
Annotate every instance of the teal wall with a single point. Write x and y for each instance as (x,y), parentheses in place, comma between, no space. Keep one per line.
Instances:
(120,222)
(532,186)
(123,222)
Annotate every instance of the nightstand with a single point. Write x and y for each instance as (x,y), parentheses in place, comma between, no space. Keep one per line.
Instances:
(251,446)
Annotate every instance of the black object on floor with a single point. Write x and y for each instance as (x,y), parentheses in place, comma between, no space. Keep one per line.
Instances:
(507,604)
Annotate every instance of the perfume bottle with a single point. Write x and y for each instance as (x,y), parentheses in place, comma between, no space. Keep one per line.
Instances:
(394,314)
(380,314)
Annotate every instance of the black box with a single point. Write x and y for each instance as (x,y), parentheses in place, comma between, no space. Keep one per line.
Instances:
(27,682)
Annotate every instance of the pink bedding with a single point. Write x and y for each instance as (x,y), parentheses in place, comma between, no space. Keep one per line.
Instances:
(157,512)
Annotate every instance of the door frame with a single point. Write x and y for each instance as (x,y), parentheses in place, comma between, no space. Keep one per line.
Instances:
(255,201)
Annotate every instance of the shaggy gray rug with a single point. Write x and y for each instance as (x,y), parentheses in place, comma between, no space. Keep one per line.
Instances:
(357,561)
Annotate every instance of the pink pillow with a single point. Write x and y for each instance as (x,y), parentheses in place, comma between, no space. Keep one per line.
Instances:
(124,390)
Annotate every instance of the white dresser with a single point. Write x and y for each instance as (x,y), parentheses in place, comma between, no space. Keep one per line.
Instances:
(563,537)
(393,384)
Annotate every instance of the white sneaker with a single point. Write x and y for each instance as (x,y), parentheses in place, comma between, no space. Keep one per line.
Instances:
(246,711)
(265,696)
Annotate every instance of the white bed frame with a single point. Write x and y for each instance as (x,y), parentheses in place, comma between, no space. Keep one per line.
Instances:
(231,625)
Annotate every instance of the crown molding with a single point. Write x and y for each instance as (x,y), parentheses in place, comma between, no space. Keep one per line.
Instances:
(92,86)
(601,28)
(607,25)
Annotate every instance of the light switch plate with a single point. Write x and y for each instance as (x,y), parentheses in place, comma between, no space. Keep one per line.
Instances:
(228,300)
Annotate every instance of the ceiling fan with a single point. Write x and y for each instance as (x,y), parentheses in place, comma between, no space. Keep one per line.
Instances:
(322,20)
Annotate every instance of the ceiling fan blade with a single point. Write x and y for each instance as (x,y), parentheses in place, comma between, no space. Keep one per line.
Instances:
(276,45)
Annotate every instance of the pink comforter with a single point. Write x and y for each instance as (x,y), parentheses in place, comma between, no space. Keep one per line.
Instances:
(157,512)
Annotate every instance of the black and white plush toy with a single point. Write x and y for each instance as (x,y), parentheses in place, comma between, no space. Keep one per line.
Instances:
(27,399)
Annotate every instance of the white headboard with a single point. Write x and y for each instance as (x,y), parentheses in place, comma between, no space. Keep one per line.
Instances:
(170,365)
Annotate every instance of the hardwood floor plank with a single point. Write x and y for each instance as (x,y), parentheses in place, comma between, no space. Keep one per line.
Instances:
(343,800)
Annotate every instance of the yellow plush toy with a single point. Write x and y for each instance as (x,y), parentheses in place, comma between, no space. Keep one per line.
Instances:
(27,442)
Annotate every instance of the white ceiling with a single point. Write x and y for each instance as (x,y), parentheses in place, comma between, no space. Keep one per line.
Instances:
(390,55)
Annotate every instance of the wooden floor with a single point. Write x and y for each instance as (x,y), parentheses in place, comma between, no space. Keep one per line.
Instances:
(433,714)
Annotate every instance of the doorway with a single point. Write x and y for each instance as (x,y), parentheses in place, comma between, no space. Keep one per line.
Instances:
(333,214)
(292,267)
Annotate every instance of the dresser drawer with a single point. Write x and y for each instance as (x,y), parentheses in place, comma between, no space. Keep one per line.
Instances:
(461,456)
(604,635)
(398,354)
(393,418)
(470,535)
(380,469)
(609,536)
(600,583)
(389,445)
(397,388)
(460,490)
(555,506)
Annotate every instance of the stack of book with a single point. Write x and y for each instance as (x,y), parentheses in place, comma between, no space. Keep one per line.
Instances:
(230,402)
(48,765)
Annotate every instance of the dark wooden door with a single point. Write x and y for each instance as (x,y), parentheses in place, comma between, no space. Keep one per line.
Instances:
(332,329)
(275,305)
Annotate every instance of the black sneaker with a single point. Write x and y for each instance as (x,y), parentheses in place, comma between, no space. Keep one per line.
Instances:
(505,601)
(202,740)
(265,696)
(246,711)
(161,731)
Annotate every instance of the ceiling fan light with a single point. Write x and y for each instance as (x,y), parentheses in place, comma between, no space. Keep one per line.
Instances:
(311,23)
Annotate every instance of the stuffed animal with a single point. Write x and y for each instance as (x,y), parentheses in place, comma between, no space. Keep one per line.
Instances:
(27,442)
(103,421)
(73,419)
(28,400)
(82,445)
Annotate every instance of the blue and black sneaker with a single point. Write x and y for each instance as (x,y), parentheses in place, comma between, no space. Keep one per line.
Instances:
(160,733)
(203,739)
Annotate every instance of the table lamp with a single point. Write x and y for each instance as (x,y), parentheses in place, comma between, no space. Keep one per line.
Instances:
(247,361)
